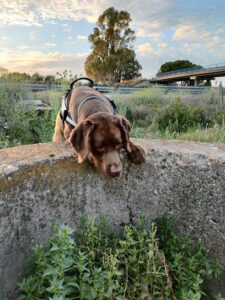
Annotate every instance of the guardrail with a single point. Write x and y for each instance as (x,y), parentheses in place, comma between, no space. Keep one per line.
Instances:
(35,86)
(46,86)
(166,88)
(108,89)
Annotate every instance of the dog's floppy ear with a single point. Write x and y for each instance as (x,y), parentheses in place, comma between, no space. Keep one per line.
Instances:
(125,128)
(80,139)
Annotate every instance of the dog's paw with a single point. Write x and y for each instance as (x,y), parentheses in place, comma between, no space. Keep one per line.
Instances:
(136,154)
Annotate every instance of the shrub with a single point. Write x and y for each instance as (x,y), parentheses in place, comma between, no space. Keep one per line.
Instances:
(94,264)
(177,117)
(19,126)
(187,264)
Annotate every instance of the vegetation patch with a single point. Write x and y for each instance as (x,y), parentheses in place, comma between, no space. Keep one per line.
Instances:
(152,113)
(155,114)
(19,126)
(178,117)
(93,263)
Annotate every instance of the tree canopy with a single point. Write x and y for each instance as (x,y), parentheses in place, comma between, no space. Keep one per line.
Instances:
(3,70)
(176,65)
(64,77)
(112,58)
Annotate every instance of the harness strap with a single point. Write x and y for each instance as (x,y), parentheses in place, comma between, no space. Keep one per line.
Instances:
(113,105)
(65,115)
(87,99)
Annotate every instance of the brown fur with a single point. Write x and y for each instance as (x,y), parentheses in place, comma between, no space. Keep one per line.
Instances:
(99,135)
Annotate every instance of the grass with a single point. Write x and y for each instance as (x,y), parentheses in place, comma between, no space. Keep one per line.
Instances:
(152,113)
(215,134)
(183,116)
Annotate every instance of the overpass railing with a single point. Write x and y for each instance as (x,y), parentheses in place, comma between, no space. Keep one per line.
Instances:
(190,70)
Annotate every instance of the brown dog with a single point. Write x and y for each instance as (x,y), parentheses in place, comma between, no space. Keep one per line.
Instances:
(98,135)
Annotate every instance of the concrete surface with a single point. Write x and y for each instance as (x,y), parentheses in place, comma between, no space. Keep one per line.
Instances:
(42,183)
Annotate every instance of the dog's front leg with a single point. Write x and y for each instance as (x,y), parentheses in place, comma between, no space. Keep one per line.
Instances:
(136,153)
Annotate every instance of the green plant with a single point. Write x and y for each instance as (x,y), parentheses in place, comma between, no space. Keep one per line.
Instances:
(18,125)
(94,263)
(178,117)
(188,264)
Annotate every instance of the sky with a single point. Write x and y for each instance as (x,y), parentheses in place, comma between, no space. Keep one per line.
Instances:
(51,36)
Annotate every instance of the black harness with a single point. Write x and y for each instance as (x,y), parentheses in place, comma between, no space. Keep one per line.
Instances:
(65,114)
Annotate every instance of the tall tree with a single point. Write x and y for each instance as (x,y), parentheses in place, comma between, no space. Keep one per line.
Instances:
(112,58)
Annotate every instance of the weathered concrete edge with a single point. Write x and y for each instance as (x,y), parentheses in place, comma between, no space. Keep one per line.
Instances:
(30,154)
(165,160)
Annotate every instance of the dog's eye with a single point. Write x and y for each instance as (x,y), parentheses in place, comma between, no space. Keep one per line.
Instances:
(100,149)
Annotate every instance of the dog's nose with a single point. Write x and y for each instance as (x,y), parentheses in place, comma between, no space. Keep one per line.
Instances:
(115,170)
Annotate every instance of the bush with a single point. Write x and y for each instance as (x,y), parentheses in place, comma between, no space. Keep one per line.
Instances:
(94,264)
(177,117)
(19,126)
(188,265)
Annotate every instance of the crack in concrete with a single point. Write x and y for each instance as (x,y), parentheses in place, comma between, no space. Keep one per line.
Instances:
(128,195)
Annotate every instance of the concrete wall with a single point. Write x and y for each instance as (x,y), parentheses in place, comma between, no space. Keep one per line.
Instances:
(42,183)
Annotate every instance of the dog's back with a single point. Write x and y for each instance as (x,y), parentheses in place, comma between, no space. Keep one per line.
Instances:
(80,110)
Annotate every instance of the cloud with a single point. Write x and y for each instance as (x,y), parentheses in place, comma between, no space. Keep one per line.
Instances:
(145,33)
(148,15)
(190,32)
(198,38)
(216,43)
(188,20)
(81,37)
(37,61)
(186,32)
(50,44)
(162,45)
(32,12)
(168,30)
(23,47)
(144,49)
(18,13)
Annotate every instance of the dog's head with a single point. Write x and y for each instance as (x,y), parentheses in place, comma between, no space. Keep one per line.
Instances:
(100,139)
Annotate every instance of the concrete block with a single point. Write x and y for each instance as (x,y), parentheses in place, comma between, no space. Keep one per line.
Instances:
(42,183)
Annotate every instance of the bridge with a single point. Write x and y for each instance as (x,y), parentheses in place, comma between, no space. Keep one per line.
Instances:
(191,74)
